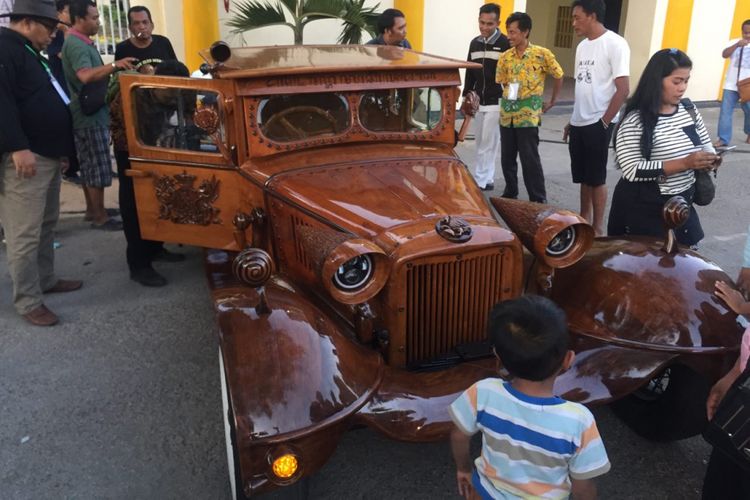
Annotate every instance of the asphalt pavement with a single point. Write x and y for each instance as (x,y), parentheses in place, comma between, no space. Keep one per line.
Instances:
(121,400)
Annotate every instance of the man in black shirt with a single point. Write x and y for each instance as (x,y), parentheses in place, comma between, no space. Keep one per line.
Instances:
(150,50)
(143,44)
(34,138)
(485,50)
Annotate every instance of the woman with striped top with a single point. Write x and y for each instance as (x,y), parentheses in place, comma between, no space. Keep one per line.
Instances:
(659,145)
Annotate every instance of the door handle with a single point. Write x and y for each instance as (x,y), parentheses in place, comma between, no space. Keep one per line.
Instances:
(131,172)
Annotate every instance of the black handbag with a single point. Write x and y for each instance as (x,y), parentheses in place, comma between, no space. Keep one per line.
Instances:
(729,431)
(93,96)
(705,190)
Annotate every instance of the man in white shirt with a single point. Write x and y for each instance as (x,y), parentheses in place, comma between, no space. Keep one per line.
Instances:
(602,72)
(738,54)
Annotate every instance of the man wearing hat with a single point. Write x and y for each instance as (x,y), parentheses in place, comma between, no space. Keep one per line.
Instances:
(34,141)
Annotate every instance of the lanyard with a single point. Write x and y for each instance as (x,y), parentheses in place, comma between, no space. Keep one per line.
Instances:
(52,78)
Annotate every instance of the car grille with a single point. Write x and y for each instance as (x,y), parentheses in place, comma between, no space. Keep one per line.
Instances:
(448,299)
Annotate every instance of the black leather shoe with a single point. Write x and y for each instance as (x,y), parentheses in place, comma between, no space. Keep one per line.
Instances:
(488,187)
(167,256)
(509,195)
(148,277)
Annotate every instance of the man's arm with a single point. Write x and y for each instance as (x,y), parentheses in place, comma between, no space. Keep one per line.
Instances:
(87,75)
(11,132)
(622,89)
(461,455)
(469,81)
(583,489)
(556,86)
(730,50)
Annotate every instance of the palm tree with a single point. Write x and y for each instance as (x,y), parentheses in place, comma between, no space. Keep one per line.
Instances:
(253,14)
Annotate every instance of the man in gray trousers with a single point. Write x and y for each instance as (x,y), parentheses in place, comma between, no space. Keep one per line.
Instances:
(35,137)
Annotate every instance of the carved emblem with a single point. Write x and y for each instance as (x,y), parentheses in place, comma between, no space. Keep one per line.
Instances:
(454,229)
(181,203)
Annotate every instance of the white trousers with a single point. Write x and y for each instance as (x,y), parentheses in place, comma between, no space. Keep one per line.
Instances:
(487,137)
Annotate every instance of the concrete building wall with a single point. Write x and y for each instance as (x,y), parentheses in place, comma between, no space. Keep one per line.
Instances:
(710,30)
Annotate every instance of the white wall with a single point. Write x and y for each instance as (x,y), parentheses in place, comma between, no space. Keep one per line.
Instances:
(644,29)
(709,33)
(317,32)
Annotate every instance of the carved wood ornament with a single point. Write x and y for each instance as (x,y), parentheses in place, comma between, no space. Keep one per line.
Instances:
(181,203)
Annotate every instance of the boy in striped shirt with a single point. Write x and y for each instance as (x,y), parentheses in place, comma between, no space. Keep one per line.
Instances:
(534,444)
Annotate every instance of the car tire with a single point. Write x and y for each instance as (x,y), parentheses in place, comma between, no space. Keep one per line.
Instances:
(298,491)
(667,412)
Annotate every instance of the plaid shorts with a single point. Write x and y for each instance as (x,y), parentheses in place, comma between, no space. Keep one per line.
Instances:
(92,145)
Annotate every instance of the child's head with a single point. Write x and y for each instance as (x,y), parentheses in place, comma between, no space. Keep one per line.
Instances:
(530,335)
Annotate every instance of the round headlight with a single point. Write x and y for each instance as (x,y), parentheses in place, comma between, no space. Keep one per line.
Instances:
(354,273)
(562,242)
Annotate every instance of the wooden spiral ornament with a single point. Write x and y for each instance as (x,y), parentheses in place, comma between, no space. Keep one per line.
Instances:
(253,267)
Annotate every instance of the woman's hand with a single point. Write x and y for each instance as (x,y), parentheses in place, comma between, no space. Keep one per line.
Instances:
(732,297)
(717,393)
(701,160)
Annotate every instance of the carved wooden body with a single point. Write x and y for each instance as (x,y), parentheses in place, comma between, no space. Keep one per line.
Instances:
(379,183)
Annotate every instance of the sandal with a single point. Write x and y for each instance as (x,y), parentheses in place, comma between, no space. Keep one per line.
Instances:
(110,225)
(111,212)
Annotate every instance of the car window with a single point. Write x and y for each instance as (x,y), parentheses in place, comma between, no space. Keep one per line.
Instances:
(401,110)
(290,118)
(166,118)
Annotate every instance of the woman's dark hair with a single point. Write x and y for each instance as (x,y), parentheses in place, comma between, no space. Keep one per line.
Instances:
(647,96)
(523,20)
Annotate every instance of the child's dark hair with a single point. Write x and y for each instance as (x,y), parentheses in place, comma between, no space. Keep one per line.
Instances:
(530,335)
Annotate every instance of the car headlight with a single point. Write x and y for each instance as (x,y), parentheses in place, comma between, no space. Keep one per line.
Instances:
(562,242)
(354,273)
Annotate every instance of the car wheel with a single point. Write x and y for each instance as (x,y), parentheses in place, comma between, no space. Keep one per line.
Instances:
(670,407)
(297,491)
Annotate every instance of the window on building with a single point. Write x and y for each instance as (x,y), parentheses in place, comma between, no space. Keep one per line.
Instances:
(564,27)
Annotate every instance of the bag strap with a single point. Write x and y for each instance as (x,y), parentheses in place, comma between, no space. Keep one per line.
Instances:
(739,64)
(690,108)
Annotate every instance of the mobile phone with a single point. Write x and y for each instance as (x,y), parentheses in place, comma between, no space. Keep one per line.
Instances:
(720,150)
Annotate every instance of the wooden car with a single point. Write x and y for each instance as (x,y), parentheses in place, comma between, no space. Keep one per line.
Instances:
(353,260)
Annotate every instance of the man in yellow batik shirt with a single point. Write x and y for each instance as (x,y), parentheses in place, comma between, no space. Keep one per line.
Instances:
(522,70)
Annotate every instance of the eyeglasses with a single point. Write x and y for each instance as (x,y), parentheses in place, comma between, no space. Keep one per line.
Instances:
(50,26)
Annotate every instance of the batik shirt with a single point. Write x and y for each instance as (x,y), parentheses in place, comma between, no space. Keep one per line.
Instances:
(531,446)
(529,71)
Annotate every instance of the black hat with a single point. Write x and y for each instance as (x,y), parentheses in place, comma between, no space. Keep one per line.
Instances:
(44,9)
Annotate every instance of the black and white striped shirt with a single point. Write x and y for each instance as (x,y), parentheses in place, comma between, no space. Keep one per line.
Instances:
(675,136)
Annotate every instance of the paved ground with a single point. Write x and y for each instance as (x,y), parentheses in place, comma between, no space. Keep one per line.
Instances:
(122,399)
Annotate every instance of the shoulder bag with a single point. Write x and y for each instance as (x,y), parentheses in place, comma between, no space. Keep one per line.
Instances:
(729,431)
(705,190)
(93,96)
(743,86)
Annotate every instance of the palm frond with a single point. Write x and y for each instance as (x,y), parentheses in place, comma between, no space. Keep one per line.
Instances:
(357,19)
(291,6)
(324,8)
(254,14)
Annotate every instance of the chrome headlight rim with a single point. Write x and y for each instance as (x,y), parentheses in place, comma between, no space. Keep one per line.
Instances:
(358,261)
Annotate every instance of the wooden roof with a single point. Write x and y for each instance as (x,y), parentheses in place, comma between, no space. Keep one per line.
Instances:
(300,59)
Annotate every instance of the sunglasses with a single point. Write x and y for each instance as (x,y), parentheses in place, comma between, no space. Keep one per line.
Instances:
(50,26)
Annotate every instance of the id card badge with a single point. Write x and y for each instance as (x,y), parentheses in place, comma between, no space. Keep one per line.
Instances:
(513,91)
(60,90)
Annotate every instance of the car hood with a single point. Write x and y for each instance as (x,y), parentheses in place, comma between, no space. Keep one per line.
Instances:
(369,198)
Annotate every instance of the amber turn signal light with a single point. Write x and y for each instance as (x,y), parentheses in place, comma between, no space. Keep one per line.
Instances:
(285,466)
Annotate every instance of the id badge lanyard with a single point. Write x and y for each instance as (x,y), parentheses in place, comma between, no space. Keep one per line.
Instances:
(52,78)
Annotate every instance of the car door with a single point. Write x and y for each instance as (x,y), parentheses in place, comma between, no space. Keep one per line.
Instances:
(185,142)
